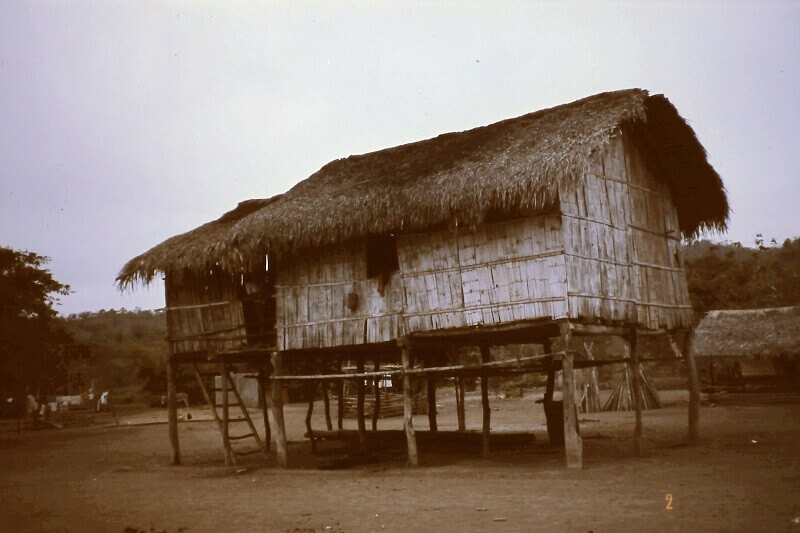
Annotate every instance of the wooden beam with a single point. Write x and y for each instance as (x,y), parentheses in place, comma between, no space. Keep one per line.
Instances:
(376,407)
(172,415)
(573,445)
(362,437)
(277,412)
(430,384)
(636,387)
(211,401)
(487,411)
(408,403)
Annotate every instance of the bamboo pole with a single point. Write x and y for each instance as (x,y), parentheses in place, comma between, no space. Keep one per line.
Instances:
(172,414)
(376,407)
(573,445)
(487,412)
(408,399)
(277,412)
(362,437)
(693,385)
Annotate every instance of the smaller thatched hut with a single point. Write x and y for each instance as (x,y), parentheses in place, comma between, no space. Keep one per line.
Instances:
(754,342)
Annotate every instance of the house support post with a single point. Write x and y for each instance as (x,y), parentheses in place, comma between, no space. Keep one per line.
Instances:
(462,421)
(430,383)
(326,401)
(360,392)
(694,389)
(277,412)
(573,445)
(172,414)
(223,374)
(262,391)
(408,403)
(310,390)
(340,401)
(487,412)
(636,393)
(376,385)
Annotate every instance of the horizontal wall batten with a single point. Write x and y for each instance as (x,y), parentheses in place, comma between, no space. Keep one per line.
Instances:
(458,268)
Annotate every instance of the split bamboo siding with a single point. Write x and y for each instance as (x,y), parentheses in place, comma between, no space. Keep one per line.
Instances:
(610,254)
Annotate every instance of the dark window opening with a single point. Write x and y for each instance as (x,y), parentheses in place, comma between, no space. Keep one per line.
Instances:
(381,256)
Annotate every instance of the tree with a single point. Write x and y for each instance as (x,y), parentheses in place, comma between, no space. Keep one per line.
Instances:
(35,350)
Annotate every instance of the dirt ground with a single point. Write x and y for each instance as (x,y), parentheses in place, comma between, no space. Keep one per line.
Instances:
(744,476)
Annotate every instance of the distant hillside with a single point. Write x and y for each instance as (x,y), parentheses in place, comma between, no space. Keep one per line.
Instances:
(127,349)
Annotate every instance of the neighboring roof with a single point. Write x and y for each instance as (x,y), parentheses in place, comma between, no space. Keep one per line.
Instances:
(457,179)
(512,166)
(195,250)
(750,333)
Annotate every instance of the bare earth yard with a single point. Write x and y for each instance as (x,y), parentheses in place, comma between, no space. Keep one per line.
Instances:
(745,475)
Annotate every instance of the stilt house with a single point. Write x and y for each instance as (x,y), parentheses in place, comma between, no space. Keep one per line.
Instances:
(562,221)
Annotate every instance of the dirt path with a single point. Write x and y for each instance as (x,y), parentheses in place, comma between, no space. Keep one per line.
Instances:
(107,479)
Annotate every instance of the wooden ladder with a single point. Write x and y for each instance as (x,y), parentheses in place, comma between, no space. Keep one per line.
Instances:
(223,422)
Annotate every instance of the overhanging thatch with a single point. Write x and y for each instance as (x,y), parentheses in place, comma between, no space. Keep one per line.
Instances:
(511,167)
(749,333)
(514,165)
(193,251)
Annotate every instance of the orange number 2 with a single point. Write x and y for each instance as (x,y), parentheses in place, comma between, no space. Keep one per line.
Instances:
(668,498)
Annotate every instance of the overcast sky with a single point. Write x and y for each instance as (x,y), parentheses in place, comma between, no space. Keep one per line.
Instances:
(124,123)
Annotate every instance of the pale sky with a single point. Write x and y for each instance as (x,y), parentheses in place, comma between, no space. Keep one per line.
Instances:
(124,123)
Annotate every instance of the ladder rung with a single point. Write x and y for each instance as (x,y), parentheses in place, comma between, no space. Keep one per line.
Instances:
(240,437)
(247,452)
(237,420)
(229,405)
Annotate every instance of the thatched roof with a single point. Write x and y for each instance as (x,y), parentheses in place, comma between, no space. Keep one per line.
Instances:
(751,333)
(193,251)
(511,166)
(458,179)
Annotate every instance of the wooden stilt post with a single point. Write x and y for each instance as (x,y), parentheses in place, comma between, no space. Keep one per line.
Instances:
(340,401)
(362,428)
(693,384)
(636,392)
(223,373)
(487,412)
(462,420)
(172,414)
(277,412)
(430,384)
(262,391)
(408,403)
(573,445)
(376,390)
(310,390)
(326,401)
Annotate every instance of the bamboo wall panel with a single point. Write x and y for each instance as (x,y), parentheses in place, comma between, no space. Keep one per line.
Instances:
(203,319)
(501,272)
(621,244)
(312,296)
